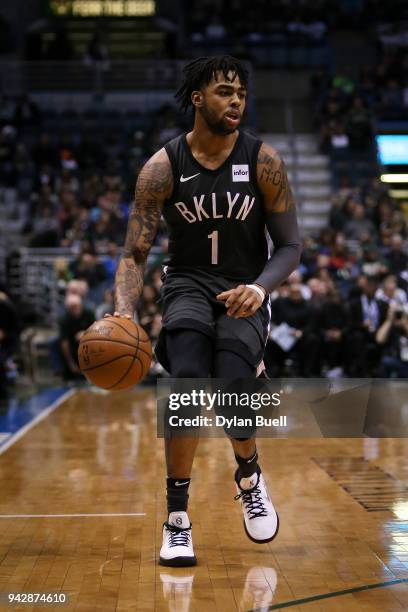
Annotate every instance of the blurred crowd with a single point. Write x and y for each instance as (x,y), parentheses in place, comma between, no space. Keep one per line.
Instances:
(344,312)
(347,304)
(72,190)
(347,110)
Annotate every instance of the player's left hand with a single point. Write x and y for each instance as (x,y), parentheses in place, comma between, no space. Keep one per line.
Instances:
(241,301)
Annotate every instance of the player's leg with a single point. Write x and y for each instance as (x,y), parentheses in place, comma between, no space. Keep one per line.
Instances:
(261,520)
(190,354)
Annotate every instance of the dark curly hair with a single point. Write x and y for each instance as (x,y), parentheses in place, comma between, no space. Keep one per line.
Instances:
(201,71)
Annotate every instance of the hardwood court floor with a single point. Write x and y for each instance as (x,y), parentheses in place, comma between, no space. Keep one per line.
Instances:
(98,455)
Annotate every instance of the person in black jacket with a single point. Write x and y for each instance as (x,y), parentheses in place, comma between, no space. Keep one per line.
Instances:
(366,315)
(300,316)
(333,321)
(393,336)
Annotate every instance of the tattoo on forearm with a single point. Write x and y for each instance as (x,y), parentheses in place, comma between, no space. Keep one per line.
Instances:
(128,285)
(153,186)
(272,173)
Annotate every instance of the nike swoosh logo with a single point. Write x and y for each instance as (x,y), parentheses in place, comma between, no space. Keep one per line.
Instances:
(187,178)
(179,484)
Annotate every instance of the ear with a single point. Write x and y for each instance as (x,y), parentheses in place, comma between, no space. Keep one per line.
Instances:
(197,98)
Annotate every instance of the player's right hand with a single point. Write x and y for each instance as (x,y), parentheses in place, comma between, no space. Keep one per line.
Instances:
(119,314)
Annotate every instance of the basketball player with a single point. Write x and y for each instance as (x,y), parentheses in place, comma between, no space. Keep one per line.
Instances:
(217,188)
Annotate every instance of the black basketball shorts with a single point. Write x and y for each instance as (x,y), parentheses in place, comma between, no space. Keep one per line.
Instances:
(189,302)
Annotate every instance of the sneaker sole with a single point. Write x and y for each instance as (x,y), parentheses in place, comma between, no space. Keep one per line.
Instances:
(178,562)
(267,539)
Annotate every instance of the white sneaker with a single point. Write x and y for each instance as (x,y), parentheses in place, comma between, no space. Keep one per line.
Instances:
(177,548)
(261,520)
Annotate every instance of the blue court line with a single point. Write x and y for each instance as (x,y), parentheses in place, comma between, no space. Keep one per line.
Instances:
(306,600)
(20,415)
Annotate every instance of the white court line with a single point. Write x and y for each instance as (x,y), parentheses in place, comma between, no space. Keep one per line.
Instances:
(43,414)
(108,514)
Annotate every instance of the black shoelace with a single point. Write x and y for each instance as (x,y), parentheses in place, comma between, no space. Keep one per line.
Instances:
(253,502)
(177,536)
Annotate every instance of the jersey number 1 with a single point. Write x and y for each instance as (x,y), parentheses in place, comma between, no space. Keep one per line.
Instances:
(214,246)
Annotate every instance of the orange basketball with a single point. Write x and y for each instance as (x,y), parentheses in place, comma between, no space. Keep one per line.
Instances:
(114,353)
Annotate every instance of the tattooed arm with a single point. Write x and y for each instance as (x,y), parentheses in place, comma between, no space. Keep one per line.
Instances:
(280,219)
(154,185)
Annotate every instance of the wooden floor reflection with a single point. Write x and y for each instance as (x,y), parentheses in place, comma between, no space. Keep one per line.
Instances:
(82,504)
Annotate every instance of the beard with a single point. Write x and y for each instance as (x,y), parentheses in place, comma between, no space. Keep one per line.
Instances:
(216,125)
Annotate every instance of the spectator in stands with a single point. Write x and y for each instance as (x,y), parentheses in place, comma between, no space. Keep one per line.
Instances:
(91,188)
(72,325)
(67,215)
(296,278)
(358,224)
(62,274)
(392,335)
(333,321)
(79,230)
(390,293)
(396,258)
(45,229)
(308,257)
(318,291)
(366,316)
(342,262)
(86,267)
(43,198)
(371,262)
(303,349)
(81,289)
(106,228)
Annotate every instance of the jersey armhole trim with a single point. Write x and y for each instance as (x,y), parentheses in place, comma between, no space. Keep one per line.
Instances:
(173,165)
(254,167)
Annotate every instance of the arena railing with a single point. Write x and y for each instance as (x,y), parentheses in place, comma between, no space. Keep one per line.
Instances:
(32,279)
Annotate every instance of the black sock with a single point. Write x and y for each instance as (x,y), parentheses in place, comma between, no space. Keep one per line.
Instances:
(248,466)
(177,494)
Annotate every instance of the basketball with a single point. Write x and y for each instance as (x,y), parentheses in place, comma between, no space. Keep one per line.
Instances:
(114,353)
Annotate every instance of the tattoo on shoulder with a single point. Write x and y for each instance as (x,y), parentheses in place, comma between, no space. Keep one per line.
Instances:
(273,180)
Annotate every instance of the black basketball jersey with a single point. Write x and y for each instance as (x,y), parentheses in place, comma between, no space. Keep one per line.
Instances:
(215,218)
